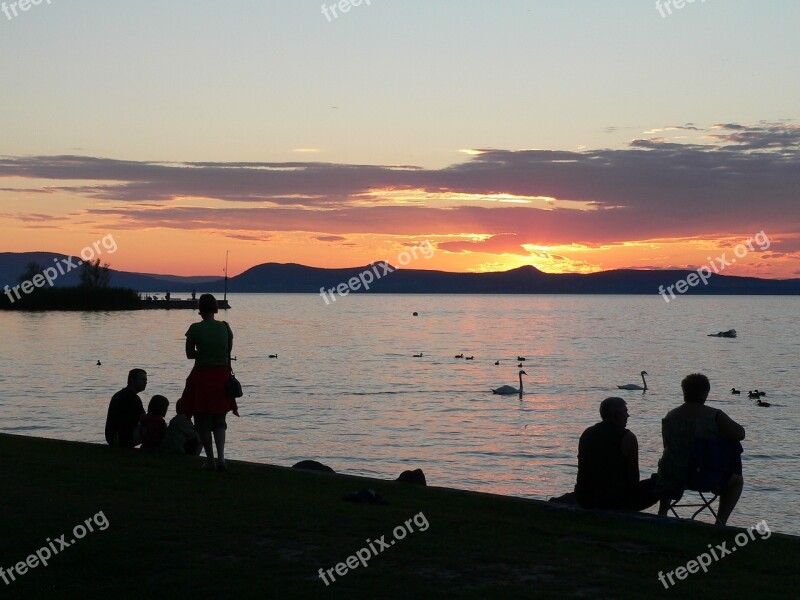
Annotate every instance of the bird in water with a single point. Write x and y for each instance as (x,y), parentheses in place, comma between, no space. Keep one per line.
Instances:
(273,356)
(760,403)
(735,391)
(497,362)
(507,390)
(633,386)
(469,358)
(520,358)
(99,364)
(459,356)
(418,355)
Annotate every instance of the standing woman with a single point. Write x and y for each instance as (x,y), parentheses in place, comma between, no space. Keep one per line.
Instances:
(209,344)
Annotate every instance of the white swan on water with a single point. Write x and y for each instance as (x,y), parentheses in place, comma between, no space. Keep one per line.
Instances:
(508,390)
(633,386)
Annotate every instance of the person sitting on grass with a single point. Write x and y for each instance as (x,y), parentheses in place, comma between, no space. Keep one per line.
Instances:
(608,464)
(124,410)
(181,437)
(154,427)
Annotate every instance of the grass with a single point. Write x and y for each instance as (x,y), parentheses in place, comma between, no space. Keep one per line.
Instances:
(260,531)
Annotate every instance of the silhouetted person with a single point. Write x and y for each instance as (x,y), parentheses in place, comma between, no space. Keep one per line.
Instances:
(167,297)
(209,344)
(124,410)
(608,463)
(181,437)
(681,427)
(194,295)
(154,427)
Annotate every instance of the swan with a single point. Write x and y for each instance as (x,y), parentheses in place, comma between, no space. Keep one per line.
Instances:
(418,355)
(508,390)
(760,403)
(459,356)
(735,391)
(633,386)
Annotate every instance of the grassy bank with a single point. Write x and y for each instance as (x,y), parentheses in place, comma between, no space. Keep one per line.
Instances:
(259,531)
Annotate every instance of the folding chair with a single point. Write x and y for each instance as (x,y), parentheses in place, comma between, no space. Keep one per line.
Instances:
(711,462)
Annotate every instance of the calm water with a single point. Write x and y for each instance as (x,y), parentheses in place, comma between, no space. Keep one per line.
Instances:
(347,391)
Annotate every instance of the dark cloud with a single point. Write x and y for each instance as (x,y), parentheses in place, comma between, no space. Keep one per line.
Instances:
(250,238)
(497,244)
(744,179)
(33,217)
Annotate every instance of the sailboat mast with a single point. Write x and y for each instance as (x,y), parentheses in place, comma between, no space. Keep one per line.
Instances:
(225,298)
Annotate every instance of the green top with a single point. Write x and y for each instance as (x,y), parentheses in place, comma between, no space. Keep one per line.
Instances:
(211,340)
(679,435)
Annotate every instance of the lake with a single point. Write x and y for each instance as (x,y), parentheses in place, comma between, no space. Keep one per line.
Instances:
(347,391)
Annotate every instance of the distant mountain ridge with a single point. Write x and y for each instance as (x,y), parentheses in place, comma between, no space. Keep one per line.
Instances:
(295,278)
(288,278)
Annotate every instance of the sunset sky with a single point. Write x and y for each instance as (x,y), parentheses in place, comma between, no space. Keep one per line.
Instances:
(571,135)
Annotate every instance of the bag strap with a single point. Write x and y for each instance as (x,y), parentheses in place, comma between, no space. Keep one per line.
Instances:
(230,338)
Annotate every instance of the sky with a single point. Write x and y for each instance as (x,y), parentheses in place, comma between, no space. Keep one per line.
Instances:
(571,135)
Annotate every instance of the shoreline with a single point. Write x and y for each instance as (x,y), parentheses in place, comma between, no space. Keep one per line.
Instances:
(264,528)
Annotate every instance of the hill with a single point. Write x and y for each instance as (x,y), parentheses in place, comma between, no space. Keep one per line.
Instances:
(385,278)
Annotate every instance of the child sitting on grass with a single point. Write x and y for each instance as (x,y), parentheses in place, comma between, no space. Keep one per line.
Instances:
(154,427)
(181,437)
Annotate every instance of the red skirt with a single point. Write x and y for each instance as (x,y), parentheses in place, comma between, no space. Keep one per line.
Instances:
(205,392)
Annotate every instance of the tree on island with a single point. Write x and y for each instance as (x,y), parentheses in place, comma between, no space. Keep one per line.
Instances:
(94,275)
(93,292)
(31,270)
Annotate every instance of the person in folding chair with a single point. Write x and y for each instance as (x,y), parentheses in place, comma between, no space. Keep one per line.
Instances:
(702,452)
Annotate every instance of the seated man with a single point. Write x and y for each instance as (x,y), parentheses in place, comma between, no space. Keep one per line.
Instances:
(608,464)
(124,410)
(681,428)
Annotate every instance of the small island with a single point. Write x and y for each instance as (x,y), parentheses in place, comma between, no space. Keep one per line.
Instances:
(36,292)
